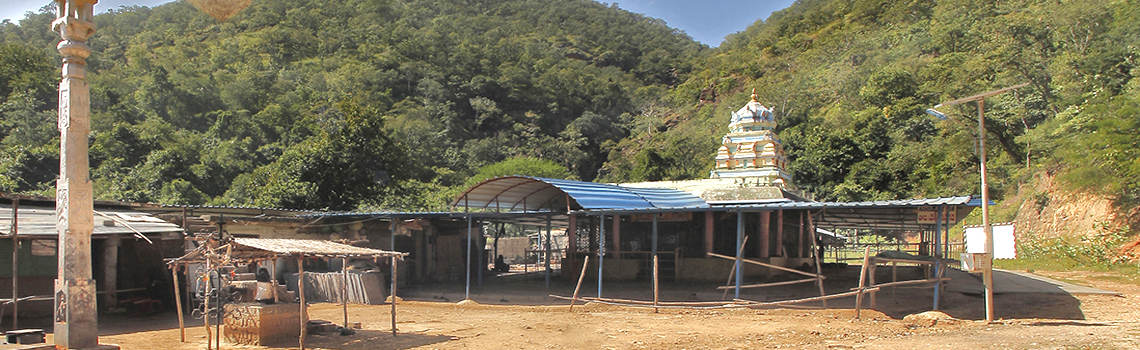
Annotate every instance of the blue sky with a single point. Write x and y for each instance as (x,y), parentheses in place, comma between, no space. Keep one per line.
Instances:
(706,21)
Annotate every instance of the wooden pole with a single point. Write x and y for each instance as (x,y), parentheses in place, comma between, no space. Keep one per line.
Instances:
(649,303)
(815,251)
(394,269)
(754,262)
(780,233)
(273,278)
(656,291)
(15,264)
(178,301)
(871,279)
(344,289)
(713,305)
(770,284)
(764,234)
(800,248)
(585,263)
(862,277)
(304,307)
(805,300)
(908,282)
(206,319)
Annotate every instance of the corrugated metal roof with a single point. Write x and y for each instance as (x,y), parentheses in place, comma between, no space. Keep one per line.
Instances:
(41,221)
(523,193)
(886,215)
(223,209)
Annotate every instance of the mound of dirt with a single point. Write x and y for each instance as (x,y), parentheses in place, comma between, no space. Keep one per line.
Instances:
(929,319)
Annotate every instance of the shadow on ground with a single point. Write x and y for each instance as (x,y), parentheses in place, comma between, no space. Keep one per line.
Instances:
(372,339)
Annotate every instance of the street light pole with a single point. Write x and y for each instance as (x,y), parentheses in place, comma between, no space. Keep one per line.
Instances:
(988,256)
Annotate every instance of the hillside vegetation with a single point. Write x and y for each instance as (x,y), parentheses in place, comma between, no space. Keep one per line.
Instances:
(851,81)
(335,105)
(395,105)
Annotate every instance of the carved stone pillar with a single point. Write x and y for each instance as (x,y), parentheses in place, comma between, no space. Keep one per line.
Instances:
(76,325)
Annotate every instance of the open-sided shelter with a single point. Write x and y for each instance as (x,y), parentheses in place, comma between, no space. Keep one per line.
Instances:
(240,251)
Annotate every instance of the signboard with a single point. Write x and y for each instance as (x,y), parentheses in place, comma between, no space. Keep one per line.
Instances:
(929,215)
(43,247)
(976,262)
(1005,242)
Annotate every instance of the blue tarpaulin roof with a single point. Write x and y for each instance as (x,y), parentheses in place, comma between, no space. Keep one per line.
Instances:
(524,193)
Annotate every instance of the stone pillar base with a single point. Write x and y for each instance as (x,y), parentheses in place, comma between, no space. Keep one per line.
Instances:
(76,326)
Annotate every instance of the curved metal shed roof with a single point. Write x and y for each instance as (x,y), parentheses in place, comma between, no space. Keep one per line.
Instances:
(525,193)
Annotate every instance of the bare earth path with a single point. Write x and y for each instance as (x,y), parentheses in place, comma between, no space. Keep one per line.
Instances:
(1027,321)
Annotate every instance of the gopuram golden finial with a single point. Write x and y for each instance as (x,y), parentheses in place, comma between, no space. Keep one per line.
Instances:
(754,95)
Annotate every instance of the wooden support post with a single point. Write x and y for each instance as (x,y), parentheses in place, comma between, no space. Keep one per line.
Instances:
(765,234)
(800,247)
(344,289)
(206,317)
(394,297)
(301,292)
(617,237)
(862,277)
(709,222)
(16,264)
(815,251)
(871,280)
(656,291)
(585,263)
(571,245)
(546,248)
(780,233)
(272,278)
(178,301)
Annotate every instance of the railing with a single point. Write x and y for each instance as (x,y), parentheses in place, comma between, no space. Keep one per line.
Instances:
(854,252)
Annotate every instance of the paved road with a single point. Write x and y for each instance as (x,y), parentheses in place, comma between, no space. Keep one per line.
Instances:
(1006,281)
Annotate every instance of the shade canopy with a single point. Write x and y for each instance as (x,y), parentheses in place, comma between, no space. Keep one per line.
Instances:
(254,249)
(524,193)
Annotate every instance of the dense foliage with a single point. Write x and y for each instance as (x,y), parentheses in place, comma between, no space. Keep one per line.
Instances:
(338,105)
(397,104)
(850,81)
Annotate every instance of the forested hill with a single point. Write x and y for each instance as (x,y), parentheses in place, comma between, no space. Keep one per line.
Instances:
(395,104)
(850,80)
(335,104)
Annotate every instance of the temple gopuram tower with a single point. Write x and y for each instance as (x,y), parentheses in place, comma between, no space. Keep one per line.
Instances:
(751,150)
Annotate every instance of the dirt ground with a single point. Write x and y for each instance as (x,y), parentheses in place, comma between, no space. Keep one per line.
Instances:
(520,315)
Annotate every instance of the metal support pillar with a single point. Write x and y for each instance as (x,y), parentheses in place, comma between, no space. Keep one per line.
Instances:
(601,249)
(938,252)
(547,249)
